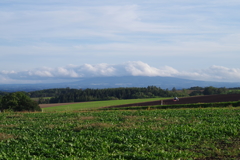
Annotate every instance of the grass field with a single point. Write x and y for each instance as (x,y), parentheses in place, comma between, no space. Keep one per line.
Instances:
(211,133)
(234,90)
(96,104)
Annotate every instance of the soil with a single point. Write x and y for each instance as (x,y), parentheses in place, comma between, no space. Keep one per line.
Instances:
(57,104)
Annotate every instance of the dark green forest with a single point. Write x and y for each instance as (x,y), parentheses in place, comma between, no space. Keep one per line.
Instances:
(62,95)
(72,95)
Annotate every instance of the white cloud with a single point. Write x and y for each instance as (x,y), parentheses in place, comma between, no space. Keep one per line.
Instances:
(61,71)
(213,73)
(88,70)
(41,73)
(134,68)
(223,73)
(143,69)
(7,72)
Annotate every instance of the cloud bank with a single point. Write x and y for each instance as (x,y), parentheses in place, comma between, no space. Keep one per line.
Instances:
(131,68)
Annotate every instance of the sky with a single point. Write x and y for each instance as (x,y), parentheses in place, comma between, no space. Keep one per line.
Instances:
(70,39)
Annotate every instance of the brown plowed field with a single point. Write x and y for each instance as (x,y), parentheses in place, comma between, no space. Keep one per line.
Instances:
(189,100)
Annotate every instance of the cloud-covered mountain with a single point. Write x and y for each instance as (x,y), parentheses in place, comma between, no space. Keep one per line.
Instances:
(116,82)
(72,73)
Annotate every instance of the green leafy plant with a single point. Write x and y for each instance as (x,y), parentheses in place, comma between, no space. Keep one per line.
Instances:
(201,133)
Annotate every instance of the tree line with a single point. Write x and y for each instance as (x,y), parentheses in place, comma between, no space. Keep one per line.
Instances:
(111,94)
(208,91)
(63,95)
(81,95)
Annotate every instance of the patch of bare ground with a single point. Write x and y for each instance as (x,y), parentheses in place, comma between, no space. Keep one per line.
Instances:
(224,149)
(8,126)
(159,119)
(230,148)
(132,118)
(138,124)
(4,136)
(131,122)
(57,104)
(127,125)
(93,126)
(83,118)
(80,119)
(51,126)
(15,116)
(157,128)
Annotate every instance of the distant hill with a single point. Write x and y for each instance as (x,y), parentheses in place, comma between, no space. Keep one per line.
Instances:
(116,82)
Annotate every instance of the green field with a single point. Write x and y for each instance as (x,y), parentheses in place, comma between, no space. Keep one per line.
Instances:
(210,133)
(234,90)
(97,104)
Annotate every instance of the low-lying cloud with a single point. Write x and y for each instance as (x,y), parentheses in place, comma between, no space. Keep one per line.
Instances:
(132,68)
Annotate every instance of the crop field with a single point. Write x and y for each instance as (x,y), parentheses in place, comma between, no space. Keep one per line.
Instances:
(210,133)
(92,105)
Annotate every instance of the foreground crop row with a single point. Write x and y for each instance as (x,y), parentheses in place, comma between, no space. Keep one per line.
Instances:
(146,134)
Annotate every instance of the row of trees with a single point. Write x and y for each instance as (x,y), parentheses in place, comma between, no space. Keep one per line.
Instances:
(114,93)
(74,95)
(18,101)
(50,92)
(208,91)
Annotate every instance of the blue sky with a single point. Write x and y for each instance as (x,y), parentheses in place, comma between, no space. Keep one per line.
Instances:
(71,39)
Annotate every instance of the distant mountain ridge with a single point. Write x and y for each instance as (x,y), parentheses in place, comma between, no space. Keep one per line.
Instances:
(116,82)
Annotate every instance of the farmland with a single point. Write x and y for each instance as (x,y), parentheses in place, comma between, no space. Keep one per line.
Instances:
(139,134)
(188,100)
(139,102)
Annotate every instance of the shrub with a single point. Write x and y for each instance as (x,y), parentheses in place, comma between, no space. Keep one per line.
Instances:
(18,101)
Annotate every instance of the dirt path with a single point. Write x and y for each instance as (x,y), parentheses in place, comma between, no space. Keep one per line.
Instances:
(57,104)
